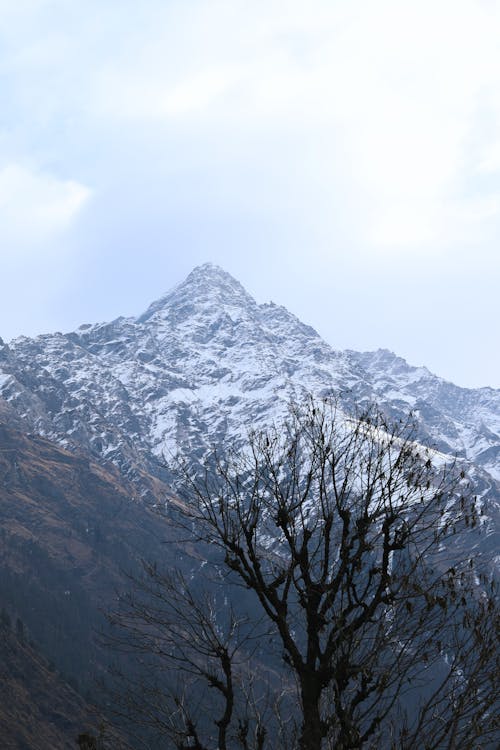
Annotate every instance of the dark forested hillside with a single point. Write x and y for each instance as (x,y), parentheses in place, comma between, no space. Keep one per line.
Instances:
(70,532)
(37,708)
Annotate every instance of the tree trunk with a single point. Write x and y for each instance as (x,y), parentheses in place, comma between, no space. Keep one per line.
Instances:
(313,728)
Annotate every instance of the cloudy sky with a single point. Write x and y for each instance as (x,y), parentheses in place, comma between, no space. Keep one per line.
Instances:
(340,157)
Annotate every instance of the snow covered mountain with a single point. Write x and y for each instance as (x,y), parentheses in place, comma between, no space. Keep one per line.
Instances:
(203,365)
(461,421)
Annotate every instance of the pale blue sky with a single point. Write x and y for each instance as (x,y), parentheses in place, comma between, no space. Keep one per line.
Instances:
(340,157)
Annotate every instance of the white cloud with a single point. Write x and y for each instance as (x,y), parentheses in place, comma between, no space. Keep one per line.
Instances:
(136,98)
(490,161)
(404,87)
(35,206)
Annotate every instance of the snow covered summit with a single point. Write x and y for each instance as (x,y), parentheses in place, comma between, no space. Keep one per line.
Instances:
(207,286)
(203,364)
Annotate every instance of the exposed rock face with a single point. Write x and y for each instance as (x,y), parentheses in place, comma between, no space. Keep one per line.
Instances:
(204,364)
(461,421)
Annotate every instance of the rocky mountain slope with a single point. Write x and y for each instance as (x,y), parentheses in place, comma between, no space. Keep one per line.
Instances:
(204,364)
(37,708)
(461,421)
(71,534)
(90,419)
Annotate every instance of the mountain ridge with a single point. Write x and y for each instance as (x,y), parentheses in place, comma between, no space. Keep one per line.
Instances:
(205,362)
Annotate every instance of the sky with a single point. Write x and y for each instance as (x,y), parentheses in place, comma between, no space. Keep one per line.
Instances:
(338,157)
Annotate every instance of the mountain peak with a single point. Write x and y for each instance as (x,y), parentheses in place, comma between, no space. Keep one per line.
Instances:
(208,270)
(211,276)
(206,284)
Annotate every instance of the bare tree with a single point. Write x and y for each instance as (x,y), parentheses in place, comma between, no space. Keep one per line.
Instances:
(200,640)
(349,546)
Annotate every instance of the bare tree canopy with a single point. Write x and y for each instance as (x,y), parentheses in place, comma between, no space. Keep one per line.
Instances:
(342,605)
